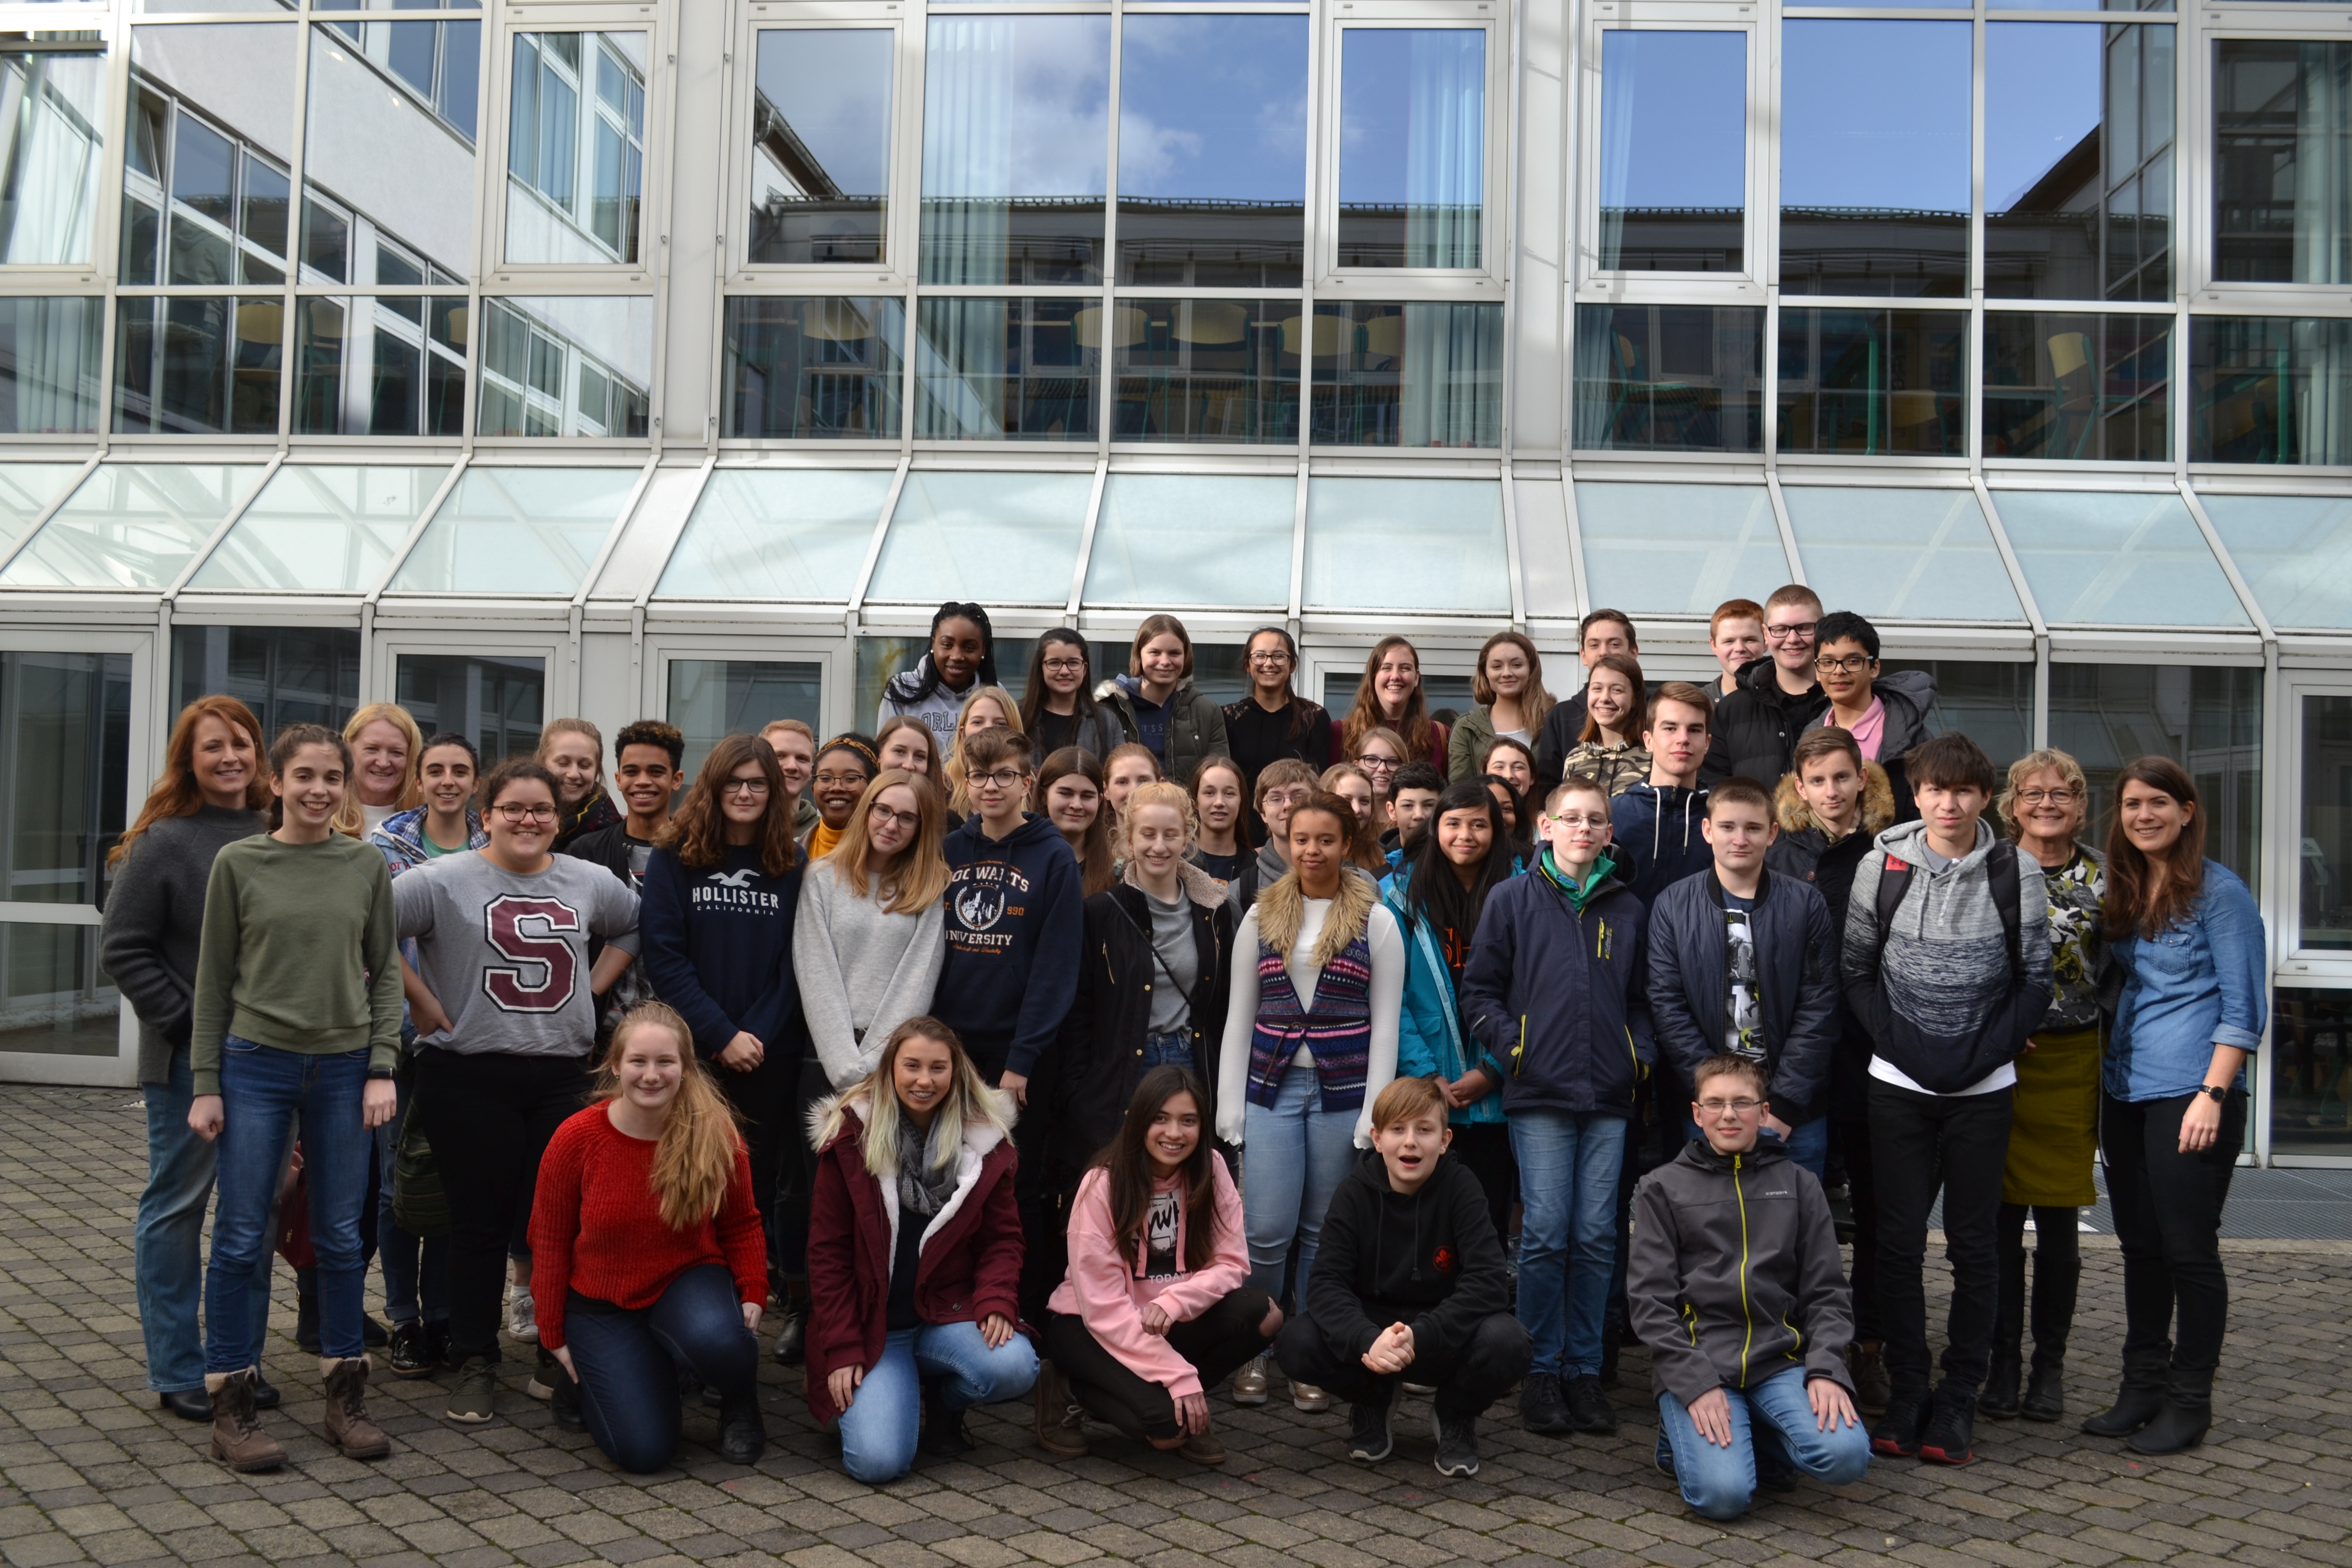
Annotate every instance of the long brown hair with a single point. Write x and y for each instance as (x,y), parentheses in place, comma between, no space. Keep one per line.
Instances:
(2144,897)
(694,1162)
(917,877)
(1095,852)
(1126,1164)
(698,832)
(1200,771)
(1536,702)
(1413,725)
(1626,664)
(176,791)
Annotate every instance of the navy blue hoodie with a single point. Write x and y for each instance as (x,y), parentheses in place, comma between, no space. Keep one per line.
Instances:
(1016,924)
(1655,837)
(719,946)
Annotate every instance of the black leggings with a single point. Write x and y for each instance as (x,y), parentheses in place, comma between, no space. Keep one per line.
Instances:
(1852,1138)
(2057,1274)
(763,1098)
(1216,1343)
(2167,1208)
(1486,1148)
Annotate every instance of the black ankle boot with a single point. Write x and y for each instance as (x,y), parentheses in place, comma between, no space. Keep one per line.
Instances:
(2045,1391)
(2141,1398)
(2187,1412)
(943,1435)
(1998,1399)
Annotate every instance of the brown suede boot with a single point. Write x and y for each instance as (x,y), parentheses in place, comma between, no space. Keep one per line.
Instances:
(239,1440)
(348,1426)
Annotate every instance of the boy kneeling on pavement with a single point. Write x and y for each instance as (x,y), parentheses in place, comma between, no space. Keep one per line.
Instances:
(1735,1285)
(1409,1282)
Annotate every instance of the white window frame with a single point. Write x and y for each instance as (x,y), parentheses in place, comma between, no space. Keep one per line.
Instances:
(497,271)
(834,664)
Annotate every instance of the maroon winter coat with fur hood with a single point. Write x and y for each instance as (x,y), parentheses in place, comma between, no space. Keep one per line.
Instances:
(971,1261)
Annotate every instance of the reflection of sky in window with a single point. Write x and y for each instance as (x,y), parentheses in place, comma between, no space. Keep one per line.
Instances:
(1412,114)
(1674,118)
(833,86)
(1214,106)
(2042,97)
(1875,114)
(1016,106)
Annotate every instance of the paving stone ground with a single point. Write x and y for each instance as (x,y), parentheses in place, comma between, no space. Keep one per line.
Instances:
(92,1471)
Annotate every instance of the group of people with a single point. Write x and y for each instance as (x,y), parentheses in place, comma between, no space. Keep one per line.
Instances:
(1109,1047)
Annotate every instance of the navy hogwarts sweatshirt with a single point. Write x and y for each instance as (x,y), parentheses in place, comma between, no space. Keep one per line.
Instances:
(1015,920)
(719,946)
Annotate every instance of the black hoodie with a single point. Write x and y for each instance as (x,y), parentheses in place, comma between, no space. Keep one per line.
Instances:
(1015,912)
(1429,1260)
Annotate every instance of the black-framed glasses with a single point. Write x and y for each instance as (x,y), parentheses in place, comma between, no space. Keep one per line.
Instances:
(1276,656)
(1065,667)
(883,814)
(2061,796)
(744,787)
(1379,764)
(1002,778)
(1852,664)
(515,811)
(1802,630)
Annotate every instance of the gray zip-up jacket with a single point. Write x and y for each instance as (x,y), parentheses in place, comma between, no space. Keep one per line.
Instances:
(1733,1274)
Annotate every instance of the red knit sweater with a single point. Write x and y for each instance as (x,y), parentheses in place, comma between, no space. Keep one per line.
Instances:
(596,1225)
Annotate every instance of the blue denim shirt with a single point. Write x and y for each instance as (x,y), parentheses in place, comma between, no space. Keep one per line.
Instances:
(2198,985)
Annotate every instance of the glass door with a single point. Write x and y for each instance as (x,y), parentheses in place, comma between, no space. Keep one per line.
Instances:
(2310,1111)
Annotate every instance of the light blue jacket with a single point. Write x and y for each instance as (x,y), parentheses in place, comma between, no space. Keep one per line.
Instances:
(1429,1037)
(2197,986)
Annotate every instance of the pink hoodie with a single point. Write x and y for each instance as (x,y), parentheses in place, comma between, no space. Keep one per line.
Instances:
(1109,1295)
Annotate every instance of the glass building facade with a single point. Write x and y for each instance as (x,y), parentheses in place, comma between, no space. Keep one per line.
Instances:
(627,357)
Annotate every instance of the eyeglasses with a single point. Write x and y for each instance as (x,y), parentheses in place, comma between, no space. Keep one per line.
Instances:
(2049,796)
(1852,664)
(515,811)
(1379,764)
(881,815)
(1594,823)
(1740,1107)
(1065,666)
(851,781)
(744,787)
(1284,796)
(1002,778)
(1802,630)
(1276,656)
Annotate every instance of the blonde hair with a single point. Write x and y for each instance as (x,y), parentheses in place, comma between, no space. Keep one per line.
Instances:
(972,1103)
(1175,796)
(2004,805)
(958,800)
(917,877)
(350,820)
(694,1162)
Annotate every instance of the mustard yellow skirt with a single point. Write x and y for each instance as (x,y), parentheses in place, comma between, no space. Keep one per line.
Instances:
(2055,1130)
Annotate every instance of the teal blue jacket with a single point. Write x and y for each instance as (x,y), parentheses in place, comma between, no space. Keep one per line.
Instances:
(1430,1036)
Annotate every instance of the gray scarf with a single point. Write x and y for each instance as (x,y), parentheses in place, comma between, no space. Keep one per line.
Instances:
(923,1187)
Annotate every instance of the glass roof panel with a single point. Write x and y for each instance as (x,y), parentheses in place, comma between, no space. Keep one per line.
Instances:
(517,531)
(1678,550)
(1901,555)
(995,538)
(2116,559)
(1407,544)
(1214,541)
(25,491)
(2294,553)
(132,525)
(321,528)
(777,533)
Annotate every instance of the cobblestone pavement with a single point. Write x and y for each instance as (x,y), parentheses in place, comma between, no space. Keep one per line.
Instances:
(91,1471)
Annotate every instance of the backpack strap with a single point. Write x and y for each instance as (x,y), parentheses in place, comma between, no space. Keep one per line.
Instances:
(1893,881)
(2001,878)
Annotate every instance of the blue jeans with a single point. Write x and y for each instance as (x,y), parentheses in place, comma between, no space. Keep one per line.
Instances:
(1169,1047)
(629,1362)
(1808,1143)
(168,1247)
(1719,1483)
(878,1429)
(1295,1154)
(263,1089)
(1569,1167)
(416,1269)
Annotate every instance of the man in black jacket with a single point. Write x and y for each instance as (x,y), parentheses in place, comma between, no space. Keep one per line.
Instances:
(1409,1281)
(1736,1288)
(1756,728)
(1745,962)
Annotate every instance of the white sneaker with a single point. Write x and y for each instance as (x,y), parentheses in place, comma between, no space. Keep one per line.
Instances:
(1249,1384)
(522,1314)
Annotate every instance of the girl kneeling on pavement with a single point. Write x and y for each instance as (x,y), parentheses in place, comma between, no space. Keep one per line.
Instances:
(914,1254)
(296,1015)
(648,1258)
(1157,1303)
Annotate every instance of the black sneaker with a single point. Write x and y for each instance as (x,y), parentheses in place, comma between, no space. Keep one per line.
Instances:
(1896,1436)
(1369,1438)
(1457,1445)
(1950,1436)
(1588,1410)
(411,1355)
(1542,1409)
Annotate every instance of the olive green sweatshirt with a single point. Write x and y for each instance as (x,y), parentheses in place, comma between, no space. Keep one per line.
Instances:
(300,951)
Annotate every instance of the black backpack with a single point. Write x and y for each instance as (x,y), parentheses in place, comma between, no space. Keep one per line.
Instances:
(2000,876)
(1944,1064)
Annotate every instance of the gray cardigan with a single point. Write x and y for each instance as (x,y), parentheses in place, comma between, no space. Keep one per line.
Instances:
(155,923)
(862,973)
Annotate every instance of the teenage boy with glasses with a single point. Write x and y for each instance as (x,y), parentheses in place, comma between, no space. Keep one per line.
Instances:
(1886,712)
(1757,726)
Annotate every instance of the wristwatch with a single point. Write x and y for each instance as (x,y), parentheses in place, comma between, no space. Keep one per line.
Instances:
(2219,1094)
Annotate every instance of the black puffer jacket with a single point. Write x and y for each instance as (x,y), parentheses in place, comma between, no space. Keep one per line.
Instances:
(1753,731)
(1797,986)
(1733,1274)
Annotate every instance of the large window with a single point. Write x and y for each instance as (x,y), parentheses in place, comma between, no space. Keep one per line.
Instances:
(2281,161)
(500,701)
(51,103)
(576,147)
(820,367)
(1208,370)
(1674,152)
(2270,390)
(1408,376)
(286,675)
(1413,156)
(567,366)
(1873,381)
(2208,719)
(821,147)
(711,699)
(1013,369)
(2078,386)
(1670,378)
